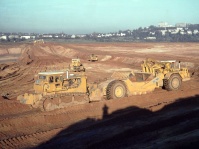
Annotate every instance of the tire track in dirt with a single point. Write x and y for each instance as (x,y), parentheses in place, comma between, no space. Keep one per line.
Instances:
(27,141)
(12,107)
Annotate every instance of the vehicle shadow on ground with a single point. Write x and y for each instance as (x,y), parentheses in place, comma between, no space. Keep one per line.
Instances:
(174,126)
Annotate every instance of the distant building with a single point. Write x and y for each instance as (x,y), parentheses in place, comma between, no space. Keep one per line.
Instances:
(13,36)
(120,34)
(56,36)
(99,35)
(152,33)
(4,37)
(81,35)
(47,36)
(164,24)
(73,36)
(25,37)
(123,34)
(163,32)
(150,38)
(108,35)
(182,33)
(181,25)
(176,30)
(189,32)
(195,31)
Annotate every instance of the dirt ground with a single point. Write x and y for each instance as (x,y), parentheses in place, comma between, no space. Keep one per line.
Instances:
(161,119)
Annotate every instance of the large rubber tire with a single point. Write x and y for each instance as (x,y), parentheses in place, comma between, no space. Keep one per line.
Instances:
(173,83)
(116,89)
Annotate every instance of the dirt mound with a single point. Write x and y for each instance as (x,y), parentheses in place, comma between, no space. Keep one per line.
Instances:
(26,57)
(48,51)
(3,66)
(128,60)
(3,51)
(194,71)
(106,57)
(12,49)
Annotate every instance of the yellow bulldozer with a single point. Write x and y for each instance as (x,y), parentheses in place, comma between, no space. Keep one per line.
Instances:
(53,90)
(76,65)
(93,58)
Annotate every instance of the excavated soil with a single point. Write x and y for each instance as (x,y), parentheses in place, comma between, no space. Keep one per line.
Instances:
(161,119)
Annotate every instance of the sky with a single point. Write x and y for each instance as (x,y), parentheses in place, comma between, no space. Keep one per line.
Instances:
(88,16)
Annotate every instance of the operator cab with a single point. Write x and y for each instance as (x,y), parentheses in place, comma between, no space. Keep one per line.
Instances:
(50,77)
(171,64)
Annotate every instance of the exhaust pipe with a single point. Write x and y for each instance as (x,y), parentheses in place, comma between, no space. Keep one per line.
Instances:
(179,64)
(66,74)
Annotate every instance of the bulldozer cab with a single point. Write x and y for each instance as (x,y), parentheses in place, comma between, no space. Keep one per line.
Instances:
(76,65)
(171,64)
(76,62)
(48,81)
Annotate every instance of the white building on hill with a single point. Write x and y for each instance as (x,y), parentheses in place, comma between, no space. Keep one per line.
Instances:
(4,37)
(164,24)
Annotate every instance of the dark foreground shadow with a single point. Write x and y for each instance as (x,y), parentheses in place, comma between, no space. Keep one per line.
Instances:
(174,126)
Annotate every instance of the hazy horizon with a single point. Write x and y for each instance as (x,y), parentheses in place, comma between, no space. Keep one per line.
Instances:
(88,16)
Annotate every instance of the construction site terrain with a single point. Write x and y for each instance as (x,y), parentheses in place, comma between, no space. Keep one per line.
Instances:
(161,119)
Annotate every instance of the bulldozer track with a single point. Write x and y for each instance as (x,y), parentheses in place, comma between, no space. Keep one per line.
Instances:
(24,141)
(62,96)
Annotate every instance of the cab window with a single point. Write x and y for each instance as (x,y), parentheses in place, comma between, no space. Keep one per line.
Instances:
(42,77)
(57,79)
(51,79)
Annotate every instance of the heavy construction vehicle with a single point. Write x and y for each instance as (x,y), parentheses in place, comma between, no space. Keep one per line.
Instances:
(40,41)
(76,65)
(93,58)
(173,73)
(54,90)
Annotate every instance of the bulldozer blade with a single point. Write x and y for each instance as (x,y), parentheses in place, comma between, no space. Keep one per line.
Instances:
(30,99)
